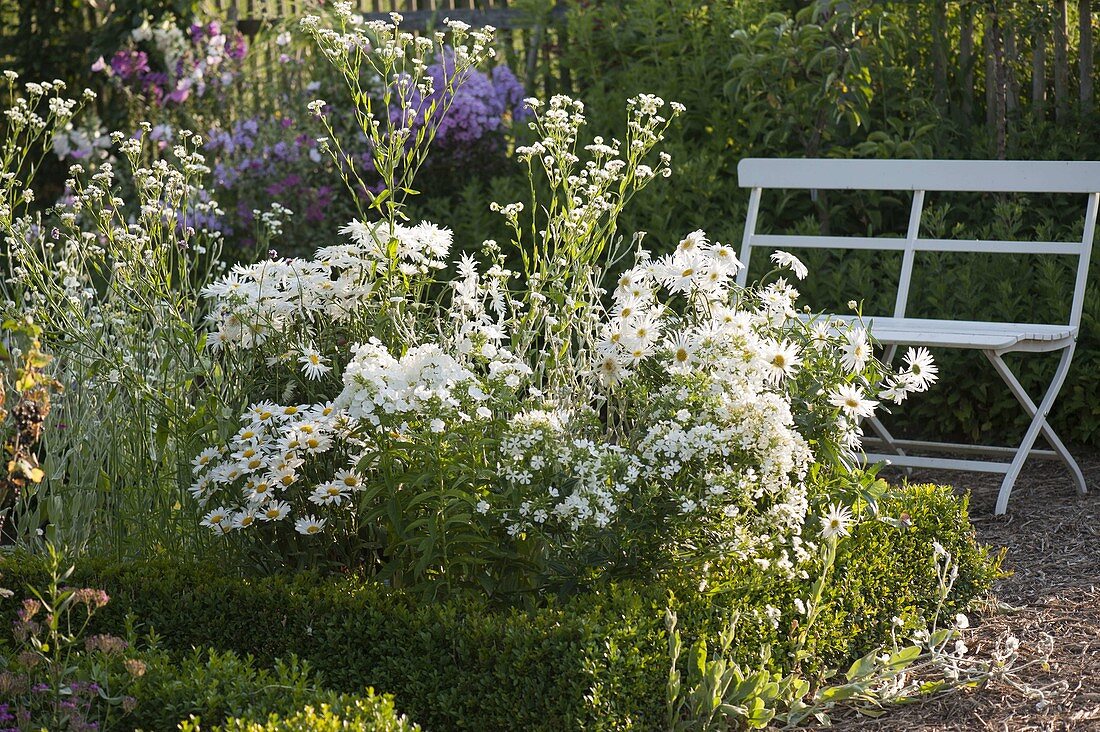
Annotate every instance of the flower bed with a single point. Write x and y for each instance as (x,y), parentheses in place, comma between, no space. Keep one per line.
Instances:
(498,482)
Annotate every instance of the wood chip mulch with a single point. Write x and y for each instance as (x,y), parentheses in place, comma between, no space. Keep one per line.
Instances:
(1051,602)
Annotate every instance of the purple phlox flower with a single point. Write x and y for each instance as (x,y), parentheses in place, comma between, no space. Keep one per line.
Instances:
(237,47)
(181,92)
(477,109)
(130,63)
(511,92)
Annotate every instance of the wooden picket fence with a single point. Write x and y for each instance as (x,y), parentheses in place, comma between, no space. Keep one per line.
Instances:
(528,44)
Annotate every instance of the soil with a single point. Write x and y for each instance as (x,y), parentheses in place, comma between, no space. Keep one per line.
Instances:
(1051,602)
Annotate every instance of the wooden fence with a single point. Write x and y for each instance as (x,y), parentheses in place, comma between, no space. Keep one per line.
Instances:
(529,43)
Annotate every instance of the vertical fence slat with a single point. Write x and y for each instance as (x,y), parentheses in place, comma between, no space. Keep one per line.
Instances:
(1061,60)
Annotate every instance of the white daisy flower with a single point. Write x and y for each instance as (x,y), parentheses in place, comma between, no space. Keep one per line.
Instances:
(216,518)
(791,262)
(275,511)
(783,359)
(329,494)
(314,365)
(309,525)
(853,401)
(921,368)
(836,521)
(856,352)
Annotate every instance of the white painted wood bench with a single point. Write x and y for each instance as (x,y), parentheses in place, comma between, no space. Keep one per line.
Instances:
(992,338)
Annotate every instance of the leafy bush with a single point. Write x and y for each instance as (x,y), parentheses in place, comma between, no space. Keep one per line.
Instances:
(369,714)
(596,660)
(215,685)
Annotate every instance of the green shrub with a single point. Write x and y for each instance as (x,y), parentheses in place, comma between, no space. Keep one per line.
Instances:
(593,661)
(368,714)
(216,685)
(223,688)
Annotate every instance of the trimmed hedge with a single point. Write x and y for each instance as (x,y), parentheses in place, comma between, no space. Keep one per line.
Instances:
(366,714)
(597,661)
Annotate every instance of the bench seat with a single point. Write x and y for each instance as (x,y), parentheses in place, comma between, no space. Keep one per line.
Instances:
(963,333)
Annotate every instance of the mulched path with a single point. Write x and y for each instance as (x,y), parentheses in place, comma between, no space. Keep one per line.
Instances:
(1052,597)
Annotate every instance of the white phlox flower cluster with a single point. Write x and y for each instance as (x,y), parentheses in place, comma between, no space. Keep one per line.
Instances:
(580,481)
(252,302)
(425,381)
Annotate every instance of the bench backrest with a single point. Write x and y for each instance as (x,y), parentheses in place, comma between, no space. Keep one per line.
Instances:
(918,176)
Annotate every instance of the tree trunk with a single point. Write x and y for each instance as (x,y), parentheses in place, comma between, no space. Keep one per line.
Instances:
(1000,87)
(939,52)
(1084,8)
(1061,61)
(1008,66)
(1039,75)
(990,57)
(966,62)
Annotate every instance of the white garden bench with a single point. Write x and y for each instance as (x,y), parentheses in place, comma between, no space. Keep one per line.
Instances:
(992,338)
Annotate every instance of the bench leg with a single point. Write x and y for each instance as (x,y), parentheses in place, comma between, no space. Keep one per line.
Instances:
(1038,425)
(883,434)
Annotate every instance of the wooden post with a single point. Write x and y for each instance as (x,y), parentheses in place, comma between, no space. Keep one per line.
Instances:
(1000,86)
(939,52)
(1008,66)
(1061,60)
(989,55)
(1085,61)
(1039,74)
(966,61)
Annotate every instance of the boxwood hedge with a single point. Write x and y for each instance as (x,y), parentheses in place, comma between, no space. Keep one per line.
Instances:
(596,661)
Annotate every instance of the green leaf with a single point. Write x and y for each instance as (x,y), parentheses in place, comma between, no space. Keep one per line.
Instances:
(904,657)
(862,667)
